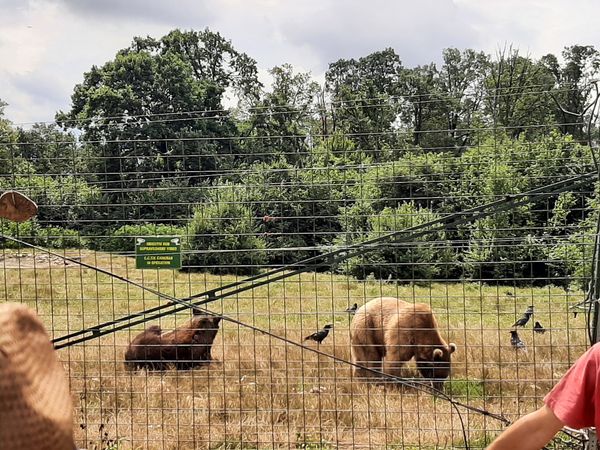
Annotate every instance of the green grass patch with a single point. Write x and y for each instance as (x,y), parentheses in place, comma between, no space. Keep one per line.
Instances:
(465,388)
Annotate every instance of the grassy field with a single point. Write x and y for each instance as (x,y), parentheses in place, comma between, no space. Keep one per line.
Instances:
(263,393)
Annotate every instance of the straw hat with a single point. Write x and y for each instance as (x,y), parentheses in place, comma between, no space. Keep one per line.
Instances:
(17,207)
(35,403)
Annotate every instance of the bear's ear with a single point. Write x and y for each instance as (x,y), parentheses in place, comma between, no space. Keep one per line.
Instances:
(438,353)
(216,321)
(452,347)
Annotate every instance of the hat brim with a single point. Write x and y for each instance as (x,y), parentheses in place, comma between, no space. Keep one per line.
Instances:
(17,207)
(35,403)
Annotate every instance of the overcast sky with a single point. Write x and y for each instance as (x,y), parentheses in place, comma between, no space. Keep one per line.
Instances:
(47,45)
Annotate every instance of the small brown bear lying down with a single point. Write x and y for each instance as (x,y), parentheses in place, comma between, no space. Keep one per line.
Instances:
(184,347)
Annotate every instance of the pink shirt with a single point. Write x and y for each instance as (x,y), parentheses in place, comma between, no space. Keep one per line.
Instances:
(575,400)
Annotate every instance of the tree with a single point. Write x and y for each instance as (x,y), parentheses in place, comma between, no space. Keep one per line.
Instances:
(8,139)
(422,258)
(13,161)
(460,86)
(214,59)
(575,82)
(417,109)
(440,106)
(51,151)
(157,107)
(280,124)
(517,97)
(363,94)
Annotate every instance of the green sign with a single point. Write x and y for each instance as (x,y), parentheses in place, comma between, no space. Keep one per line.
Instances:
(158,252)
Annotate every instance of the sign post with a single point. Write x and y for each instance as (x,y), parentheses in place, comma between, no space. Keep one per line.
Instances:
(162,252)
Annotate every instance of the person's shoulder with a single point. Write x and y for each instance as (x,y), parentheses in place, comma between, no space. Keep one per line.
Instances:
(592,353)
(595,349)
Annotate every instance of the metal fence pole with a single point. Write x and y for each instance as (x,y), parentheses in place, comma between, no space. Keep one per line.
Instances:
(594,290)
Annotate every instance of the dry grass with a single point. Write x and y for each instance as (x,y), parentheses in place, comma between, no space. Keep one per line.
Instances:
(262,393)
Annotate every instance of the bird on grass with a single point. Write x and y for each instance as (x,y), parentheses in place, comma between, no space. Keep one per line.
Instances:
(352,309)
(320,335)
(516,341)
(524,318)
(538,328)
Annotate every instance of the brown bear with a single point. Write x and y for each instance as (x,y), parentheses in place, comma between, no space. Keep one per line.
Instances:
(184,347)
(386,332)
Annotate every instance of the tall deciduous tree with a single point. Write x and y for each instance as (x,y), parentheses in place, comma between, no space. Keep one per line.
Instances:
(460,86)
(517,94)
(146,110)
(417,104)
(575,88)
(10,162)
(51,151)
(281,123)
(364,102)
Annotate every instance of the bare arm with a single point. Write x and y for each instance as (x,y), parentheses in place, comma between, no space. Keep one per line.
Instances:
(530,432)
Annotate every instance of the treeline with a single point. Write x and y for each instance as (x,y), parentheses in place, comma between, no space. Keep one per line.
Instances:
(150,145)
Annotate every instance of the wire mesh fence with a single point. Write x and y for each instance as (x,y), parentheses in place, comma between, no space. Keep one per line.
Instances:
(286,237)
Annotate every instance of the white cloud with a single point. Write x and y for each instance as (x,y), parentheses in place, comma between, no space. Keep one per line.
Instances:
(536,27)
(47,45)
(186,13)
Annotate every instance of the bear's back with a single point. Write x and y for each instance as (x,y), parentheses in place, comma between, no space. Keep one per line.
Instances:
(386,311)
(385,315)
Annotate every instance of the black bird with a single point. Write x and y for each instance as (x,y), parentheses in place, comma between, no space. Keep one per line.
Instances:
(509,294)
(516,341)
(352,309)
(319,336)
(538,328)
(524,318)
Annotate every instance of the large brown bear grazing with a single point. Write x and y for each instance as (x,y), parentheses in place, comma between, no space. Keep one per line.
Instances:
(386,332)
(184,347)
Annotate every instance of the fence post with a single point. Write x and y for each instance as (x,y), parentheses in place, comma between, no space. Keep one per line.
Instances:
(594,290)
(594,287)
(592,443)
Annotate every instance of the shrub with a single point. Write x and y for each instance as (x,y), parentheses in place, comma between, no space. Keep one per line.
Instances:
(32,233)
(423,257)
(26,232)
(56,237)
(123,239)
(64,200)
(223,237)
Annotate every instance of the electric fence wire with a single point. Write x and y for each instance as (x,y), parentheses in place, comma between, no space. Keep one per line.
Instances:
(363,103)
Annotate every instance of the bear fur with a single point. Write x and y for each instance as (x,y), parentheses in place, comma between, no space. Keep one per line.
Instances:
(184,347)
(386,332)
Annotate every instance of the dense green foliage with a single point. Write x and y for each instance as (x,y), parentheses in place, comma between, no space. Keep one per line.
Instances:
(123,238)
(148,147)
(223,236)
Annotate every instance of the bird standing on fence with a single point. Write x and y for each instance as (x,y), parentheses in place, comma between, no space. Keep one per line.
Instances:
(319,336)
(516,341)
(524,318)
(352,309)
(538,328)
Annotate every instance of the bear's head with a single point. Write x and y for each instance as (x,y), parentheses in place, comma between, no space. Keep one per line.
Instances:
(207,328)
(436,367)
